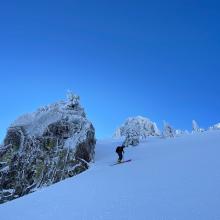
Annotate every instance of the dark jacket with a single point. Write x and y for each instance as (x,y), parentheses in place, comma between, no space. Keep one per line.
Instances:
(120,149)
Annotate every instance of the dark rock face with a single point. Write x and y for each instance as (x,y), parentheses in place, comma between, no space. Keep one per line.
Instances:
(34,157)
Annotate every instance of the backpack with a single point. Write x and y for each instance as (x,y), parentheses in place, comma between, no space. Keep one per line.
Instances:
(119,149)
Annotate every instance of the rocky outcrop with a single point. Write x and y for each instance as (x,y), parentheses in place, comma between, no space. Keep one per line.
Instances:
(45,147)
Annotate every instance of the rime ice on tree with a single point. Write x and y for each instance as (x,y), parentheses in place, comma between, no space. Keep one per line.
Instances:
(136,128)
(141,124)
(132,137)
(168,131)
(179,132)
(73,99)
(215,127)
(195,127)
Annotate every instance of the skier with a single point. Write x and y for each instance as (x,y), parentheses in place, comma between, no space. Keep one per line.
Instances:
(120,151)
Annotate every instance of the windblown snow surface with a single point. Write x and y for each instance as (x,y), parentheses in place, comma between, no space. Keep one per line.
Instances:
(168,179)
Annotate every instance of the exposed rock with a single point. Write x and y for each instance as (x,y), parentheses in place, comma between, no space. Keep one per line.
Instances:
(45,147)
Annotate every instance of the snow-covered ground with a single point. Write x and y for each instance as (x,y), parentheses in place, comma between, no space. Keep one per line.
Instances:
(168,179)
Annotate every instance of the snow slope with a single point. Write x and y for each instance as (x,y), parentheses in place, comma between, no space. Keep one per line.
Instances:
(168,179)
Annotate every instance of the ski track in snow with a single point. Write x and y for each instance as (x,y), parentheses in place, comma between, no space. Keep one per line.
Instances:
(167,179)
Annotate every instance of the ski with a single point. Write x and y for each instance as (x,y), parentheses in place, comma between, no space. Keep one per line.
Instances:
(125,161)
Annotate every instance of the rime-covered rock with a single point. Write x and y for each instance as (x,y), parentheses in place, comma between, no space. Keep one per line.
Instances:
(45,147)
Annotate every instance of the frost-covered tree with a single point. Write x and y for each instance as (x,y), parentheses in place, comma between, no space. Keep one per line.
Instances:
(132,137)
(117,133)
(168,131)
(196,128)
(180,132)
(73,99)
(215,127)
(154,131)
(142,125)
(136,128)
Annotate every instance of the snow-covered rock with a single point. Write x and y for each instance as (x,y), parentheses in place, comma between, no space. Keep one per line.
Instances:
(45,147)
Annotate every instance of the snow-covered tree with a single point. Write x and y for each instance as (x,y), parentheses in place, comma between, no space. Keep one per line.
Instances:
(143,126)
(132,137)
(215,127)
(73,99)
(180,132)
(196,128)
(117,133)
(136,128)
(154,130)
(168,131)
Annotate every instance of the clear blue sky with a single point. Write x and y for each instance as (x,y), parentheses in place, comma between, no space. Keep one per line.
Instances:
(159,59)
